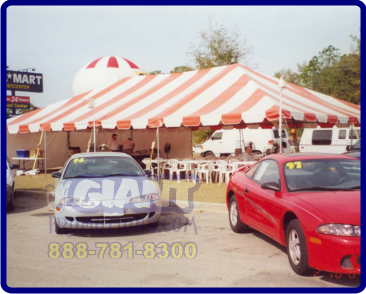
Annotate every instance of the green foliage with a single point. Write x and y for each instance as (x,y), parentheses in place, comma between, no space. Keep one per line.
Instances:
(182,68)
(331,73)
(200,137)
(218,46)
(289,75)
(155,72)
(318,74)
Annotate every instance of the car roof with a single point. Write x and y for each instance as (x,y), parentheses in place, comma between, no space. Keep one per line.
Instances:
(100,154)
(307,155)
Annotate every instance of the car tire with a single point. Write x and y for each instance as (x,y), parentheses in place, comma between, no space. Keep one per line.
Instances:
(235,223)
(296,248)
(209,153)
(60,231)
(11,204)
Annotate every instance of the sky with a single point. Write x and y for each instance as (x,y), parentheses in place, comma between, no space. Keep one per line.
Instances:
(57,41)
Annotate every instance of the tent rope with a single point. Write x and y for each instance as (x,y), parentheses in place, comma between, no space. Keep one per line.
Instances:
(89,142)
(152,149)
(358,138)
(39,145)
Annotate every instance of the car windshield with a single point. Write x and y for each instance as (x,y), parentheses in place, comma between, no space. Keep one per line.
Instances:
(357,145)
(277,134)
(322,175)
(90,167)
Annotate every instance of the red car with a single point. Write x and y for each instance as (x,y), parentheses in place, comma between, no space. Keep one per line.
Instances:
(309,203)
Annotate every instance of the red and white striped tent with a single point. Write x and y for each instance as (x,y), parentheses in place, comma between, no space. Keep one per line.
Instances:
(226,95)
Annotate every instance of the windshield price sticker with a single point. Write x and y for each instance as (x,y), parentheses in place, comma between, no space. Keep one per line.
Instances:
(295,164)
(78,160)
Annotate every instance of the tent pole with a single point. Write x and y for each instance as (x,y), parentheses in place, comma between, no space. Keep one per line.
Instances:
(280,121)
(281,85)
(45,154)
(158,147)
(351,134)
(95,147)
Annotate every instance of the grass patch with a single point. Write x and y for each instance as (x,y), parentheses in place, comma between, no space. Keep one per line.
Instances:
(206,193)
(37,182)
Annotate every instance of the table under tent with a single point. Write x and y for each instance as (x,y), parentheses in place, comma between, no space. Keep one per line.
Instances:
(231,96)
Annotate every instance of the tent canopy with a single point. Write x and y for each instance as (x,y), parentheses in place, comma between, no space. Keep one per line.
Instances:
(227,95)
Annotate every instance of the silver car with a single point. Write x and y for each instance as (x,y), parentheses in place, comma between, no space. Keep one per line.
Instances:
(104,190)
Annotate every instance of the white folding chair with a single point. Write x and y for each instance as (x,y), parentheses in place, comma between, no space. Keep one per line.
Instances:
(204,169)
(173,167)
(188,167)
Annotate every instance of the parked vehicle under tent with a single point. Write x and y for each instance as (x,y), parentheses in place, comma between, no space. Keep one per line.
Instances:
(177,103)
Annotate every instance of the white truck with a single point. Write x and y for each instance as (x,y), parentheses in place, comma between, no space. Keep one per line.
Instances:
(224,142)
(328,140)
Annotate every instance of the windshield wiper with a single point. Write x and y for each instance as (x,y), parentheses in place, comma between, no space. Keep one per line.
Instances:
(82,176)
(122,174)
(355,187)
(322,189)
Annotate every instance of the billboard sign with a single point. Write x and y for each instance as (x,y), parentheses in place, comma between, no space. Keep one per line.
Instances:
(24,81)
(17,102)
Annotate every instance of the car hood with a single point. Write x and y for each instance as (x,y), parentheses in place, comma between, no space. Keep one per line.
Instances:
(109,188)
(354,153)
(341,207)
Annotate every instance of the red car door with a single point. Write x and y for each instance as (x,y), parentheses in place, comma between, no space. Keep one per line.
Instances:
(239,182)
(262,205)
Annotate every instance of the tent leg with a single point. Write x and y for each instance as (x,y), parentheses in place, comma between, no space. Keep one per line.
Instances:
(45,154)
(158,147)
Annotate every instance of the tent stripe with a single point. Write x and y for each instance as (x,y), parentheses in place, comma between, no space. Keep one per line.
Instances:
(194,94)
(230,94)
(303,92)
(144,81)
(126,123)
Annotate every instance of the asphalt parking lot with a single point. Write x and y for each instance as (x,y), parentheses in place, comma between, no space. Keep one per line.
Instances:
(223,259)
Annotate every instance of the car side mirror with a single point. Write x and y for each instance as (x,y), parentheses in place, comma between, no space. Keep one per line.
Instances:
(147,172)
(56,175)
(212,138)
(349,147)
(14,166)
(271,186)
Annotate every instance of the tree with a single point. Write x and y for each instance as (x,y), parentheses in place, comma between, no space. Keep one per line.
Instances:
(155,72)
(200,137)
(289,75)
(313,74)
(182,68)
(218,46)
(331,73)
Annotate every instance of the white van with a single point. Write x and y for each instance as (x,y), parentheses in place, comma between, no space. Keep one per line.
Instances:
(333,140)
(224,142)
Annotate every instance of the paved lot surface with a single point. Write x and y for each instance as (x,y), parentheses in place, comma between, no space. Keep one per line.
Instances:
(224,259)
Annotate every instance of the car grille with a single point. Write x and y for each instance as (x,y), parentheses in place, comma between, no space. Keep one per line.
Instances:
(111,219)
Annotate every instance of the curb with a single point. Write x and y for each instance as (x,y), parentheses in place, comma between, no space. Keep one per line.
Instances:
(205,206)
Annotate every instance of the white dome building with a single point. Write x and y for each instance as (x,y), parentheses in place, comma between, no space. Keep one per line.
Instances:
(102,72)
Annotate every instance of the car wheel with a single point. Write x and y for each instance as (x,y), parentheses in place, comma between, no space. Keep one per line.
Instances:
(209,153)
(11,205)
(60,231)
(235,223)
(297,250)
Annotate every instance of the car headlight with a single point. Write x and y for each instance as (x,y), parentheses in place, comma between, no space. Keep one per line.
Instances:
(339,230)
(145,198)
(75,202)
